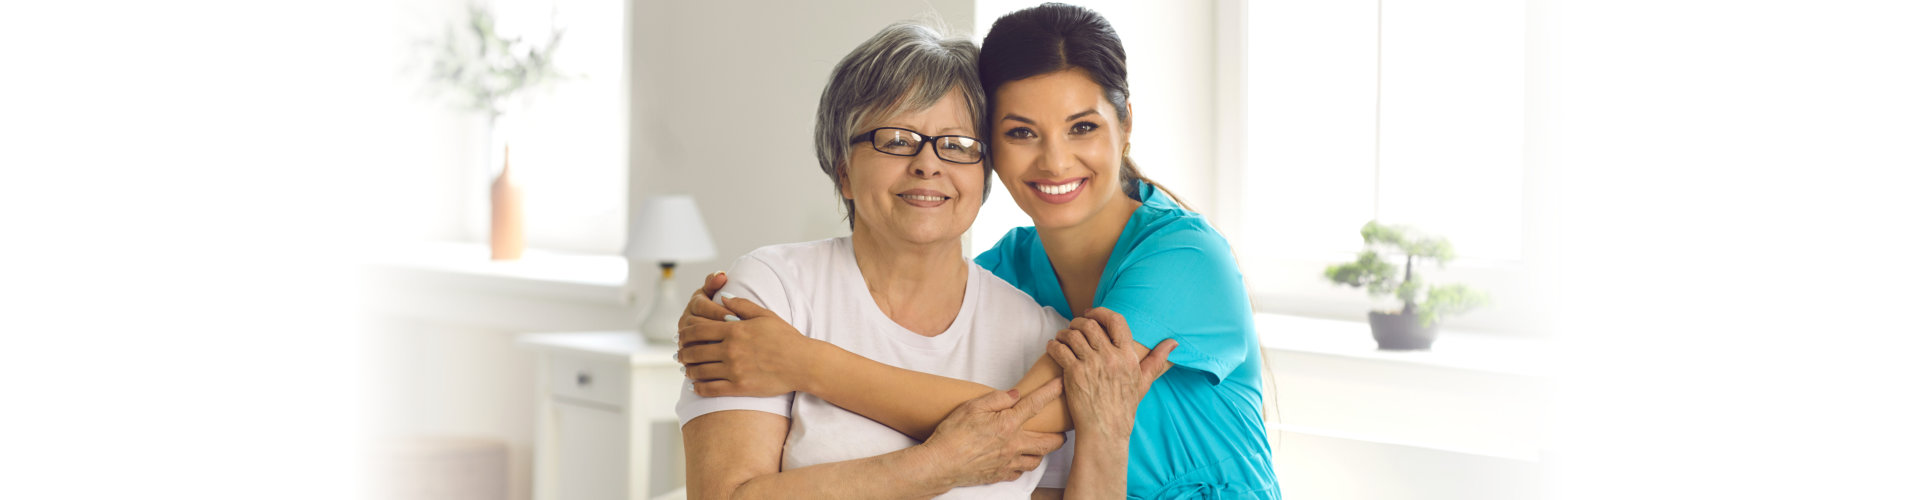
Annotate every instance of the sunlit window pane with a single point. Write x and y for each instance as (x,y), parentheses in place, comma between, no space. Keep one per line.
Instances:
(1442,86)
(569,143)
(1451,121)
(1310,127)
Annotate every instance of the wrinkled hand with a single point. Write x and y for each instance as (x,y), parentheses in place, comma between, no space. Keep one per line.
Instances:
(981,442)
(1105,375)
(757,355)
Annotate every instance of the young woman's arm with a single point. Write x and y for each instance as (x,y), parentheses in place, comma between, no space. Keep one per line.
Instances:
(762,355)
(767,356)
(736,454)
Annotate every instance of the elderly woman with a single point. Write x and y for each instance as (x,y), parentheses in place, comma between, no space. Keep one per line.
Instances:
(898,134)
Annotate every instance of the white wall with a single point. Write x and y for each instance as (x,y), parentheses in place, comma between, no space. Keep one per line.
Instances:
(707,73)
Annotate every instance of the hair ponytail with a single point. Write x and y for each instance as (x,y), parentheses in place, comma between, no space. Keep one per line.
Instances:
(1130,173)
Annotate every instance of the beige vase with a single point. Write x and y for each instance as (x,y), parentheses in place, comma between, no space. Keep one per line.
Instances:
(508,237)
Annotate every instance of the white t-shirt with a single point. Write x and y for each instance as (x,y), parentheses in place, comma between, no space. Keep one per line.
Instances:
(817,288)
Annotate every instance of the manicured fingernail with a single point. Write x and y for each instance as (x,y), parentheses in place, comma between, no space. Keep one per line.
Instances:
(725,295)
(731,317)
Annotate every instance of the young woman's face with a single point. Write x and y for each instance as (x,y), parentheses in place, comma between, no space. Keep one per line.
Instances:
(921,198)
(1057,146)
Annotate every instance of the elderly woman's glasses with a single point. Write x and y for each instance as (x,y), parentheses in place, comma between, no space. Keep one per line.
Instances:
(903,142)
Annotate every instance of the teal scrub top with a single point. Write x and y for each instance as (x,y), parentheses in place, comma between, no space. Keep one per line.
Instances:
(1198,432)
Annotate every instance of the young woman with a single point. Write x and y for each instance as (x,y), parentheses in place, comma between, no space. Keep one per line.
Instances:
(1107,243)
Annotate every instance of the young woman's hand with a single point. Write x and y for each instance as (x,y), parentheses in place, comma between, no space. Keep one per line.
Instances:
(758,355)
(701,305)
(1106,372)
(981,442)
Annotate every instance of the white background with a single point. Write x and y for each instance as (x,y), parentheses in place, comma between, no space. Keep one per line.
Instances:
(185,185)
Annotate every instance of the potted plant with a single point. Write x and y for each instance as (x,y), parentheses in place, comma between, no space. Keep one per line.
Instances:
(482,69)
(485,71)
(1423,305)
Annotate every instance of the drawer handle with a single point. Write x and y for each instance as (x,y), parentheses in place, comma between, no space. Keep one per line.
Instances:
(583,379)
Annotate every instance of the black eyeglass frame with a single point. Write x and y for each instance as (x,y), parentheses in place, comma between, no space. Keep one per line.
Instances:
(924,141)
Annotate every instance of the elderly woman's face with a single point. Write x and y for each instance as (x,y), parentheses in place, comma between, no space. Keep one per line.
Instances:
(921,198)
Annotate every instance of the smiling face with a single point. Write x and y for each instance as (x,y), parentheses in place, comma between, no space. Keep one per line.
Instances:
(920,199)
(1057,146)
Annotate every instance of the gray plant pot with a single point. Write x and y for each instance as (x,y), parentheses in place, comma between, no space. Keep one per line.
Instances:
(1401,332)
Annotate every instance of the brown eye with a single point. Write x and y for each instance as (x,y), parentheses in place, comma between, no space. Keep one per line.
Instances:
(1021,133)
(1084,127)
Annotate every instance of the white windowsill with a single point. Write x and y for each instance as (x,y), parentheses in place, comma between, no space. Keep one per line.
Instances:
(1462,350)
(554,275)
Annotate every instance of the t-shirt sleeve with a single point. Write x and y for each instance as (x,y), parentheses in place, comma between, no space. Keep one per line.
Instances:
(1183,284)
(753,279)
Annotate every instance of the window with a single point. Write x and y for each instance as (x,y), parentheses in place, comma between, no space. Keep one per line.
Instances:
(1403,111)
(1316,116)
(569,142)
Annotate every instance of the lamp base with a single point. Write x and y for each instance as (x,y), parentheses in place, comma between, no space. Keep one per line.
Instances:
(661,324)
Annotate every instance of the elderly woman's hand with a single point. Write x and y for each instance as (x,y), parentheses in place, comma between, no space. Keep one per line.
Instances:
(981,442)
(1105,372)
(754,354)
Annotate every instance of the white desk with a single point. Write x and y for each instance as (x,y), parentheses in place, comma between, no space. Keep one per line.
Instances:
(606,428)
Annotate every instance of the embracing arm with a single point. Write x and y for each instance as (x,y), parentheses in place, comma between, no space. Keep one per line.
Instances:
(762,355)
(910,401)
(913,402)
(736,454)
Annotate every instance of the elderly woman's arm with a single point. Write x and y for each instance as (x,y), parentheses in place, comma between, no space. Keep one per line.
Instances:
(736,454)
(1106,376)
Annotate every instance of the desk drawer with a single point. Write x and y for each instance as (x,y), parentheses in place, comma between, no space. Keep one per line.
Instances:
(589,378)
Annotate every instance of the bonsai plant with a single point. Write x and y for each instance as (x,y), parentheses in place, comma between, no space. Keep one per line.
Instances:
(1422,305)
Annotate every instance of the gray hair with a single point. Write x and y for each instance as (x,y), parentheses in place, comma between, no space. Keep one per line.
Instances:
(905,67)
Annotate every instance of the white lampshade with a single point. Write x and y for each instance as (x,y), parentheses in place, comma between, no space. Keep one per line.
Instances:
(669,229)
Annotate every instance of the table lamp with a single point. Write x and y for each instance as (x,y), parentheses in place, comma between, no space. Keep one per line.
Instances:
(667,230)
